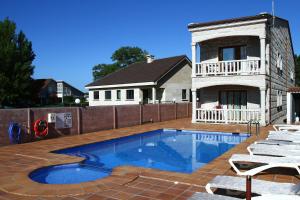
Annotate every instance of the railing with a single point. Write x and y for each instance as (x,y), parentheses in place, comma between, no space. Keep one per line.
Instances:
(227,115)
(225,68)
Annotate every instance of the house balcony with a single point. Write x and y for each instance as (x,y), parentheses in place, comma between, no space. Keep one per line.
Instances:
(227,115)
(229,104)
(228,68)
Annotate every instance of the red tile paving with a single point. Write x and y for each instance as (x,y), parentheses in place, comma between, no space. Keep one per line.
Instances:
(126,182)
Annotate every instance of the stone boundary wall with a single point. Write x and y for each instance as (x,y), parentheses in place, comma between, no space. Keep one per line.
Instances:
(90,119)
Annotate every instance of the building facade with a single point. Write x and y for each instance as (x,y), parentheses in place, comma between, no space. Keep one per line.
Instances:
(66,90)
(155,81)
(241,69)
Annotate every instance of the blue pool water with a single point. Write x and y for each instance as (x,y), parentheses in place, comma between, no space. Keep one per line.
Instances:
(169,150)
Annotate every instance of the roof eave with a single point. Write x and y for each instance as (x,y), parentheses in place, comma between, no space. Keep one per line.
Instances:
(225,25)
(122,85)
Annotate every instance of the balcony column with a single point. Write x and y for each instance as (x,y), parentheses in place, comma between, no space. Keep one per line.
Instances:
(262,55)
(194,105)
(154,95)
(194,53)
(263,106)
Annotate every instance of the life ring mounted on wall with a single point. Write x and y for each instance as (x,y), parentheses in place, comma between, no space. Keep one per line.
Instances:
(40,128)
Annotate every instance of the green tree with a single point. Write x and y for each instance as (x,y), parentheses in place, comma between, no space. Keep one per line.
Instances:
(122,57)
(16,56)
(125,56)
(102,70)
(297,58)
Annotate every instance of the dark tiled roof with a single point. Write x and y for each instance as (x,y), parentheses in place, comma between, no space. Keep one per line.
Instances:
(226,21)
(43,83)
(294,90)
(141,72)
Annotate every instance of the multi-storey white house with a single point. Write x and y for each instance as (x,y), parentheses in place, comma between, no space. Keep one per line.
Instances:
(153,81)
(241,69)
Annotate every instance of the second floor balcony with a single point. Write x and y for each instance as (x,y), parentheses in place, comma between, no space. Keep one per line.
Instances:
(229,67)
(230,56)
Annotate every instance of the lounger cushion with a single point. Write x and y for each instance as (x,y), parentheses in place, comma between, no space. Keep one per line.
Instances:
(206,196)
(264,159)
(258,186)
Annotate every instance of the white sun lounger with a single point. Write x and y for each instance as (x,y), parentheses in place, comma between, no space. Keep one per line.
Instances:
(275,152)
(260,187)
(276,142)
(290,138)
(267,161)
(281,127)
(295,133)
(285,148)
(206,196)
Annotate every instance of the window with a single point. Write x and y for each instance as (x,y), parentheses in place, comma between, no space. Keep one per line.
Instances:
(233,99)
(96,95)
(292,76)
(59,87)
(279,63)
(129,94)
(233,53)
(118,94)
(279,100)
(183,94)
(108,95)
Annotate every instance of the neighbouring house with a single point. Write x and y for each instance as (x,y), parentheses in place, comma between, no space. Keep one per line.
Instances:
(48,91)
(45,91)
(66,90)
(241,69)
(152,81)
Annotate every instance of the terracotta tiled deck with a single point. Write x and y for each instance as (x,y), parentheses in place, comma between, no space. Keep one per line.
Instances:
(126,182)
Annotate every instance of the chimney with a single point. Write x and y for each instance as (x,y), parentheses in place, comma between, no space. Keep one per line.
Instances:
(150,58)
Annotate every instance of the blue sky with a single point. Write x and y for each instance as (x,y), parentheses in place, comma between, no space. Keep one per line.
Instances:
(69,37)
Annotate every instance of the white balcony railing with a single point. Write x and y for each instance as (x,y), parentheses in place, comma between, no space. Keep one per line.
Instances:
(227,115)
(225,68)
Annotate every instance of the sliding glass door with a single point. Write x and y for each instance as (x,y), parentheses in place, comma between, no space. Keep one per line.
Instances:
(234,101)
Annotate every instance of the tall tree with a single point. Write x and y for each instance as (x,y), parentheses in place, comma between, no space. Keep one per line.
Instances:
(16,56)
(102,70)
(297,58)
(122,57)
(125,56)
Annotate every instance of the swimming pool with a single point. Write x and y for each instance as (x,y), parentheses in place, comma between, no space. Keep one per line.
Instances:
(165,149)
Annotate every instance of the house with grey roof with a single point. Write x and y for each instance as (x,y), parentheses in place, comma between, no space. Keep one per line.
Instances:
(241,69)
(64,89)
(152,81)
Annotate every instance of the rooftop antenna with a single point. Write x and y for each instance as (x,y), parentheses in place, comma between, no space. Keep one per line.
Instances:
(273,12)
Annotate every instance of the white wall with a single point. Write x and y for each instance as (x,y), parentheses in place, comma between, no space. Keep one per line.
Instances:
(114,101)
(173,86)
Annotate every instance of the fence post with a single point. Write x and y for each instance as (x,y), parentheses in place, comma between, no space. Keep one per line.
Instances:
(141,114)
(29,121)
(79,120)
(114,117)
(175,104)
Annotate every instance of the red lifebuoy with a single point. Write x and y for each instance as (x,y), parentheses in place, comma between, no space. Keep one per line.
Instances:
(40,128)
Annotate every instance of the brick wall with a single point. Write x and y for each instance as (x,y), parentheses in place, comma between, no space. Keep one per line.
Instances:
(96,118)
(127,115)
(90,119)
